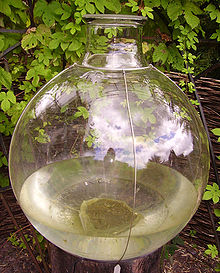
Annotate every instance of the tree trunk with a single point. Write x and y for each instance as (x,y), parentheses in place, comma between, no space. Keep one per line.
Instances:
(63,262)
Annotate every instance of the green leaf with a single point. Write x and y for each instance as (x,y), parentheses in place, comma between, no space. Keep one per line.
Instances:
(35,80)
(207,195)
(90,8)
(69,25)
(217,212)
(17,4)
(48,18)
(164,3)
(5,78)
(5,105)
(4,8)
(174,10)
(5,161)
(2,43)
(152,3)
(64,46)
(191,19)
(160,53)
(113,5)
(29,41)
(83,112)
(2,128)
(2,96)
(4,180)
(216,131)
(11,97)
(212,250)
(216,35)
(75,45)
(215,199)
(40,7)
(77,114)
(53,44)
(100,6)
(63,109)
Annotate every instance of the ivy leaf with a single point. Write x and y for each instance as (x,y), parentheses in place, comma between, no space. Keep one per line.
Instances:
(191,19)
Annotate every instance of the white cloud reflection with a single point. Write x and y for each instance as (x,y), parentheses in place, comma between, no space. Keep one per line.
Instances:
(113,131)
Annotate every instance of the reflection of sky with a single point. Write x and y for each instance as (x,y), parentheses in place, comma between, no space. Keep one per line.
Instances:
(113,131)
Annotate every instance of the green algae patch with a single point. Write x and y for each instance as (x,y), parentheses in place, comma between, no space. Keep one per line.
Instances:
(107,217)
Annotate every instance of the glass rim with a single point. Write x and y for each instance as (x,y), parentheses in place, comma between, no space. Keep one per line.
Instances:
(121,17)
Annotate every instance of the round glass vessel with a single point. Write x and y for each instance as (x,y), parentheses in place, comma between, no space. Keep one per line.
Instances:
(109,160)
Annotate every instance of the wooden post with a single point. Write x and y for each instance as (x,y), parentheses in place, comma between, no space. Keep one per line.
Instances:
(63,262)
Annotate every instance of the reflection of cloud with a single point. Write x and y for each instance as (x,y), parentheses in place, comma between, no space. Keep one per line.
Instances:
(113,130)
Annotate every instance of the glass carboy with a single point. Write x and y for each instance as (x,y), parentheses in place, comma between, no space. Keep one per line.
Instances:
(109,160)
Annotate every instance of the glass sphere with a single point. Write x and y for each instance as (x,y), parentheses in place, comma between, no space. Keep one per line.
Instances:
(109,160)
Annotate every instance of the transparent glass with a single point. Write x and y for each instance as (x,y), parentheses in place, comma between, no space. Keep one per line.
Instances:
(109,160)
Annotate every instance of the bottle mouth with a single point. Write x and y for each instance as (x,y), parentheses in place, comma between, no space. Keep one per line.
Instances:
(97,19)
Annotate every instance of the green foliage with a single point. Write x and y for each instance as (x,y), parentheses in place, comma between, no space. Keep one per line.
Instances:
(192,233)
(42,136)
(91,138)
(212,250)
(3,160)
(216,132)
(170,248)
(4,180)
(82,111)
(217,214)
(212,193)
(18,242)
(15,241)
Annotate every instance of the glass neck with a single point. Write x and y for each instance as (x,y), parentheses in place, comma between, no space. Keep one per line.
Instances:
(114,42)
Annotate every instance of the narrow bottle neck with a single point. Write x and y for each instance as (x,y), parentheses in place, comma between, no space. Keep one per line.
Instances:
(114,44)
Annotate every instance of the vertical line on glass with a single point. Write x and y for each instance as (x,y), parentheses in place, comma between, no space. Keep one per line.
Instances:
(135,160)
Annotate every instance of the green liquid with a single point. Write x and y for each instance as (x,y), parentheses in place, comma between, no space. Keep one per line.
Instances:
(88,212)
